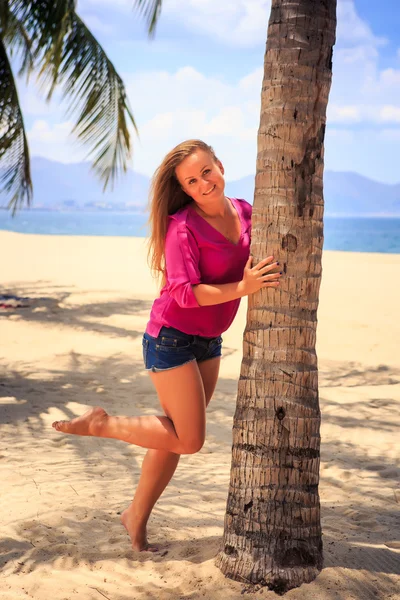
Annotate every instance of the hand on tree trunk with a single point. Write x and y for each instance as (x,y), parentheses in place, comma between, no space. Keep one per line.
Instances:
(260,276)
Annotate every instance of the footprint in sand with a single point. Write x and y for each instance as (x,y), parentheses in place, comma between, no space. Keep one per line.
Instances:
(331,524)
(115,540)
(188,552)
(363,520)
(65,549)
(207,498)
(59,441)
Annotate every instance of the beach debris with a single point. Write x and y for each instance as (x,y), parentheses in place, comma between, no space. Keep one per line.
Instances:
(9,301)
(99,591)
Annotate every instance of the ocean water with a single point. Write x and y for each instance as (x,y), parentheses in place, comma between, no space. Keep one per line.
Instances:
(106,223)
(347,234)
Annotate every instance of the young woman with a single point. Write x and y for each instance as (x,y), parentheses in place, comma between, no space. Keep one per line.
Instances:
(199,244)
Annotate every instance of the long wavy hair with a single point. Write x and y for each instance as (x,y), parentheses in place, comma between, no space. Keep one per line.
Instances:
(166,198)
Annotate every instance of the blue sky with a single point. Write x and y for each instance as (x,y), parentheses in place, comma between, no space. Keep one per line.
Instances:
(201,77)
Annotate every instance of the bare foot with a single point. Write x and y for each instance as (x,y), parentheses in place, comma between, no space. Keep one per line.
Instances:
(137,534)
(88,424)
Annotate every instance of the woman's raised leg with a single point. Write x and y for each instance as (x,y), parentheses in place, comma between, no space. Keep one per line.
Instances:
(159,466)
(181,394)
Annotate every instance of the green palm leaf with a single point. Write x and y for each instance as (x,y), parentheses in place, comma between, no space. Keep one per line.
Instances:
(54,40)
(71,57)
(15,176)
(96,92)
(16,38)
(151,9)
(4,15)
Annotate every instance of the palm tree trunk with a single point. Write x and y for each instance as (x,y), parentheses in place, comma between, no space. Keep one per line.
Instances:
(272,530)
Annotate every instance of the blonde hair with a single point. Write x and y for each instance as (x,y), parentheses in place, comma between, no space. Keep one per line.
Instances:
(166,198)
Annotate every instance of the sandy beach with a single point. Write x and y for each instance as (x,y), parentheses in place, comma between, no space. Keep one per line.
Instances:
(77,344)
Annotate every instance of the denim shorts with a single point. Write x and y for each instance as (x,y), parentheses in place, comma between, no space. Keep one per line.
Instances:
(173,348)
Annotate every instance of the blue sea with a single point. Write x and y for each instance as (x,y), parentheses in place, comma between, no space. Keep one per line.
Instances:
(348,234)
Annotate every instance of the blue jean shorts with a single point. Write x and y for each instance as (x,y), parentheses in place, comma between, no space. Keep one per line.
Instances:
(173,348)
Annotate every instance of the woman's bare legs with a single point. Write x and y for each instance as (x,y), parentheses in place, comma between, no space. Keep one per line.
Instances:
(159,466)
(181,393)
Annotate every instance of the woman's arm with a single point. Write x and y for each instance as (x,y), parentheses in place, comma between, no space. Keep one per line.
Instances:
(206,294)
(254,278)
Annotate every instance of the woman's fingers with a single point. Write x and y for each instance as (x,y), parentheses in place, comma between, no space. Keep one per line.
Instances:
(268,268)
(270,277)
(262,272)
(263,263)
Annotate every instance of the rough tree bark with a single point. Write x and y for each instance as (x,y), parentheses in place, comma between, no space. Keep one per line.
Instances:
(272,530)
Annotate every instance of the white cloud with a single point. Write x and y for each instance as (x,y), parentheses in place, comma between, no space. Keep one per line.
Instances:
(390,78)
(242,22)
(187,104)
(229,120)
(42,131)
(170,106)
(232,128)
(186,90)
(239,23)
(343,114)
(362,93)
(33,104)
(55,141)
(121,5)
(368,113)
(252,82)
(95,24)
(33,101)
(357,54)
(392,135)
(351,29)
(389,114)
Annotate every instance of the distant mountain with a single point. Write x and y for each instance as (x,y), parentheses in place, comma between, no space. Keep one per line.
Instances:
(74,186)
(353,194)
(345,194)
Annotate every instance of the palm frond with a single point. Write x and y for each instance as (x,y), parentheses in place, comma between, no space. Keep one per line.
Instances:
(52,35)
(16,37)
(96,92)
(70,56)
(15,176)
(4,14)
(151,9)
(47,22)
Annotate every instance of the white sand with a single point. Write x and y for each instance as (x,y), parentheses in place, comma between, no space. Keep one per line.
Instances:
(78,344)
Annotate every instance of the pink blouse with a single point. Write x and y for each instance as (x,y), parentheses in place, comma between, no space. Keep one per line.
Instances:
(195,252)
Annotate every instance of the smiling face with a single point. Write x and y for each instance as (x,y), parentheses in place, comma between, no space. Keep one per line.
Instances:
(201,178)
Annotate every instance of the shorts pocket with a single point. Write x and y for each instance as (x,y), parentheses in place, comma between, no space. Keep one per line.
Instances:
(171,342)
